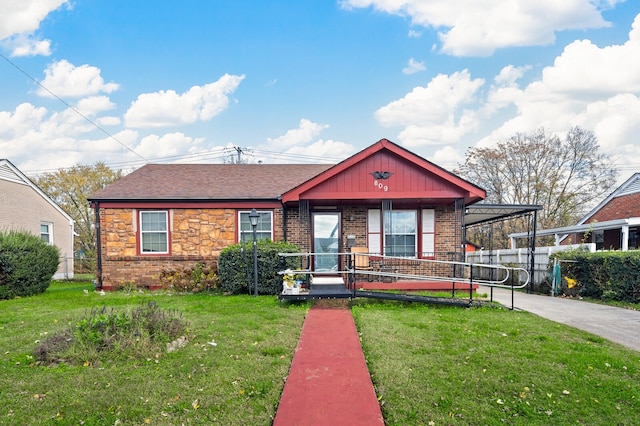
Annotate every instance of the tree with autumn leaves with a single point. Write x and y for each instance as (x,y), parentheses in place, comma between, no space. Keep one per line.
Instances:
(69,188)
(566,175)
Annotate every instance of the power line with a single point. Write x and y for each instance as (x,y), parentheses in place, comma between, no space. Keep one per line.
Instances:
(72,108)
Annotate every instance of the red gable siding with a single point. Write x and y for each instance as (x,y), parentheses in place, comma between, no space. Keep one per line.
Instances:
(412,178)
(406,181)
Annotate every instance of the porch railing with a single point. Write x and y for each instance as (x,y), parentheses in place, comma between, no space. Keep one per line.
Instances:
(360,266)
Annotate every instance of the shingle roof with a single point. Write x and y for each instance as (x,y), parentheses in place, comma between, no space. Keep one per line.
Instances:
(209,181)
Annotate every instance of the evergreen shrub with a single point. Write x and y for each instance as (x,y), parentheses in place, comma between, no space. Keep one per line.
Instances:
(27,264)
(235,266)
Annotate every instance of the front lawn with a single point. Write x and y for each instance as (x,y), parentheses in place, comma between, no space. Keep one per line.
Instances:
(231,371)
(430,365)
(484,366)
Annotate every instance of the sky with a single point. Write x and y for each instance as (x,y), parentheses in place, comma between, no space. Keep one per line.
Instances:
(286,81)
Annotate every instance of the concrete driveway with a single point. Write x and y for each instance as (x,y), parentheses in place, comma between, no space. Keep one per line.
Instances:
(615,324)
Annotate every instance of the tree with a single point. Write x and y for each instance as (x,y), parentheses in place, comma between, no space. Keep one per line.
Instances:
(566,176)
(69,188)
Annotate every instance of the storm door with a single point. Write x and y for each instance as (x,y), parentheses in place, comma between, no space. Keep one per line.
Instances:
(326,241)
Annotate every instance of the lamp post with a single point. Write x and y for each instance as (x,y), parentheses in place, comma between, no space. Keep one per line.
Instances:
(253,218)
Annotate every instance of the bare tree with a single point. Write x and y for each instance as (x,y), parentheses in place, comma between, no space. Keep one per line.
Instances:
(566,176)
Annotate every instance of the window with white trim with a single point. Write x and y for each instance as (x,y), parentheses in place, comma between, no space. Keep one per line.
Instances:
(264,230)
(154,231)
(46,233)
(400,233)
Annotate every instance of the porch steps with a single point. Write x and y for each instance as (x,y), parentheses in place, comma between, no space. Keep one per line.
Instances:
(320,280)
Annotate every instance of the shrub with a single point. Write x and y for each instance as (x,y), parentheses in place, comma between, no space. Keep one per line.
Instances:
(27,264)
(236,266)
(105,334)
(603,275)
(200,277)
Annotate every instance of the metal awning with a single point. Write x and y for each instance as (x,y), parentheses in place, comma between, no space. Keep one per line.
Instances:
(477,214)
(585,227)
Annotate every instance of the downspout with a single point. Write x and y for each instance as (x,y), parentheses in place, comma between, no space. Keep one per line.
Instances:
(284,220)
(98,284)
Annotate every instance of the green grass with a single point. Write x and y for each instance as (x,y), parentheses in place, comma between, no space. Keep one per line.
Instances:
(238,381)
(490,366)
(444,365)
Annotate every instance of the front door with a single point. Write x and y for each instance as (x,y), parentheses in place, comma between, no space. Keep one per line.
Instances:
(326,241)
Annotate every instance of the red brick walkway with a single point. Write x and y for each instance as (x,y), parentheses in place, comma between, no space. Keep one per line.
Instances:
(329,383)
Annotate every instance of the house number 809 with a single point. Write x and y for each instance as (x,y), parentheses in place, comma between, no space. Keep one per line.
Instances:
(380,186)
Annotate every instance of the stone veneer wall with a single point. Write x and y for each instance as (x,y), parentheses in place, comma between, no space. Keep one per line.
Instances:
(197,236)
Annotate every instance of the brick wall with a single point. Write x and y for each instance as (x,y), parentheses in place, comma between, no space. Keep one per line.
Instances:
(446,230)
(618,208)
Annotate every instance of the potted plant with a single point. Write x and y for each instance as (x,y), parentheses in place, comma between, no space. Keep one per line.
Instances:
(289,282)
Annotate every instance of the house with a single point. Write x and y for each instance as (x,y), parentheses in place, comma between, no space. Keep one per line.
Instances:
(384,198)
(24,207)
(614,224)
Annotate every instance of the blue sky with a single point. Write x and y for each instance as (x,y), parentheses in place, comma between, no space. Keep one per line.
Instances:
(134,82)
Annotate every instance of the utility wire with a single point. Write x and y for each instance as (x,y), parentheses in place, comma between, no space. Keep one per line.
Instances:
(93,123)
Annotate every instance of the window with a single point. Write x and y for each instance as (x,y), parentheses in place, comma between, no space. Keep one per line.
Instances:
(399,233)
(263,230)
(400,238)
(154,232)
(45,233)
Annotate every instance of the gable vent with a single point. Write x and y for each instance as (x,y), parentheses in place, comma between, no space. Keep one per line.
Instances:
(6,173)
(632,188)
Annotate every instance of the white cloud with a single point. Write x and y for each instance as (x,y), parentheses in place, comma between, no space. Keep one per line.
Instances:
(109,121)
(583,78)
(323,151)
(306,131)
(414,34)
(588,86)
(168,108)
(68,81)
(593,87)
(39,139)
(24,118)
(448,157)
(18,21)
(20,16)
(479,27)
(434,114)
(94,104)
(301,143)
(26,45)
(167,145)
(413,67)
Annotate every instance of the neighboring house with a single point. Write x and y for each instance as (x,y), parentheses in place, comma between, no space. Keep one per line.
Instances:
(614,224)
(24,207)
(384,198)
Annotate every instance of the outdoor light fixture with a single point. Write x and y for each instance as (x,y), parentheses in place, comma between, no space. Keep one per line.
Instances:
(253,218)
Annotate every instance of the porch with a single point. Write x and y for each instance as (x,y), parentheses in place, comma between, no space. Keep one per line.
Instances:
(400,279)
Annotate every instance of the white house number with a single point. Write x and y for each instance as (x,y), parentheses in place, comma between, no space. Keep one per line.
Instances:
(380,185)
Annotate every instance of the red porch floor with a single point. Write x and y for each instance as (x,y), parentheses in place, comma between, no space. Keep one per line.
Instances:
(329,383)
